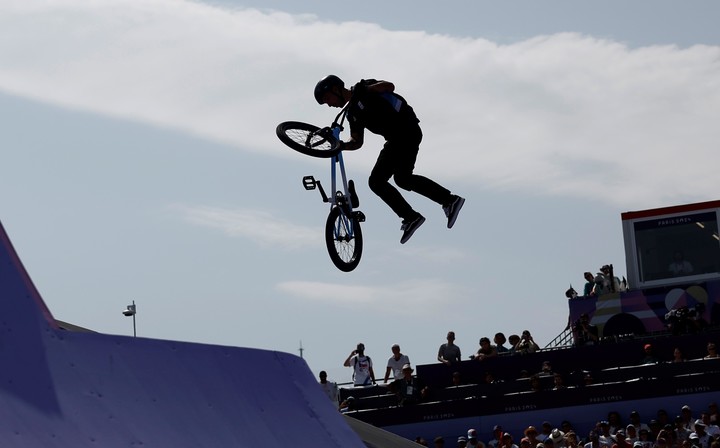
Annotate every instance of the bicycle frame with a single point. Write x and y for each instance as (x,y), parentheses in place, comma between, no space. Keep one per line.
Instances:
(342,198)
(343,232)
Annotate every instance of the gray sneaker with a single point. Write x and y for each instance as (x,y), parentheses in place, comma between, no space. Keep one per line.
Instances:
(453,209)
(409,227)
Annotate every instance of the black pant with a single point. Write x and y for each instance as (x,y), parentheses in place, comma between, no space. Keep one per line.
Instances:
(397,158)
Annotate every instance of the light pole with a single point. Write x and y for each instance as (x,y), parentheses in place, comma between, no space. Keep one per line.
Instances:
(131,310)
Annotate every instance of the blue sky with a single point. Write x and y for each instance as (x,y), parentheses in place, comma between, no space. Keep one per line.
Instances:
(139,161)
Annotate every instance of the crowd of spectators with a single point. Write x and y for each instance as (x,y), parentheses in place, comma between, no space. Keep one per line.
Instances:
(687,430)
(398,365)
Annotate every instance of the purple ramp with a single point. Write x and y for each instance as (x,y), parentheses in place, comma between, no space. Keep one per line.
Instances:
(68,389)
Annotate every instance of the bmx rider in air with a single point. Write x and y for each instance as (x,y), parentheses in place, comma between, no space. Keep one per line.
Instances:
(374,105)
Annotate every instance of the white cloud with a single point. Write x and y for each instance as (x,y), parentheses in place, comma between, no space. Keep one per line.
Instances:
(564,114)
(419,297)
(260,226)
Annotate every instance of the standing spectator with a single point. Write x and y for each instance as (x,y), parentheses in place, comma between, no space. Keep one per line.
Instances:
(485,350)
(589,285)
(615,421)
(713,408)
(513,339)
(526,344)
(631,435)
(694,441)
(462,442)
(682,433)
(703,436)
(395,363)
(507,441)
(532,435)
(644,437)
(500,341)
(363,374)
(620,441)
(604,434)
(472,439)
(593,440)
(330,388)
(571,440)
(546,431)
(686,416)
(655,429)
(567,427)
(710,427)
(585,332)
(661,442)
(612,283)
(635,420)
(449,353)
(601,286)
(497,437)
(663,418)
(557,437)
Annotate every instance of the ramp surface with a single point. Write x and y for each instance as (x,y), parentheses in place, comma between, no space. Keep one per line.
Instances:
(68,389)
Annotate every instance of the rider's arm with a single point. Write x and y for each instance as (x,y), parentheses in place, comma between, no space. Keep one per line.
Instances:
(355,141)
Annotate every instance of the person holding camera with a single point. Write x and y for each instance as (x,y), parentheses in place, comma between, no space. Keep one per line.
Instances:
(585,332)
(526,344)
(589,284)
(363,374)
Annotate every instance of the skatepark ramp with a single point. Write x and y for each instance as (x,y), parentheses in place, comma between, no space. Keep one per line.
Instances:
(82,389)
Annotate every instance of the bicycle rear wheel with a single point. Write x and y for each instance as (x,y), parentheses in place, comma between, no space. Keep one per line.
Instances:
(344,239)
(308,139)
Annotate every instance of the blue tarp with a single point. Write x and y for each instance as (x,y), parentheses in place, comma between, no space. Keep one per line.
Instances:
(71,389)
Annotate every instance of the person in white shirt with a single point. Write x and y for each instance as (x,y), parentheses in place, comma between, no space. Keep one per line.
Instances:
(330,388)
(710,428)
(395,363)
(363,374)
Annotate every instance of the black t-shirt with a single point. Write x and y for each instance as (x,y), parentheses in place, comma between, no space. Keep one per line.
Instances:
(386,114)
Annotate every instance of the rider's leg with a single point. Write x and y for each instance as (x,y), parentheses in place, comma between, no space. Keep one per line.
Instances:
(404,156)
(378,182)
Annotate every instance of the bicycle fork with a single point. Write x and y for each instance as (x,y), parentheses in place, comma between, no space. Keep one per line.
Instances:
(346,199)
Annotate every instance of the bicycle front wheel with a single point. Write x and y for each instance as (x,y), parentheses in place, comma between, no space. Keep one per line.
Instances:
(344,239)
(308,139)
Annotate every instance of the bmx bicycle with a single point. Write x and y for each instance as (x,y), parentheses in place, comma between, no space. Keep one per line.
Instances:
(343,236)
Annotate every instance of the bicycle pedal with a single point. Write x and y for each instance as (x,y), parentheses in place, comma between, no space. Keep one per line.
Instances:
(360,216)
(309,182)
